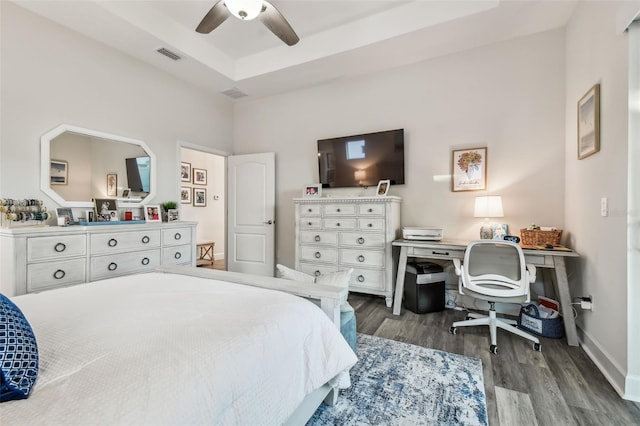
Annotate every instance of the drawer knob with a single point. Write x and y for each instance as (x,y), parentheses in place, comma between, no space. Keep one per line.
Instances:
(360,240)
(145,239)
(370,225)
(177,236)
(361,278)
(145,261)
(112,266)
(309,210)
(317,255)
(370,211)
(59,274)
(113,242)
(338,210)
(317,238)
(361,258)
(178,255)
(60,247)
(338,224)
(440,253)
(317,273)
(310,223)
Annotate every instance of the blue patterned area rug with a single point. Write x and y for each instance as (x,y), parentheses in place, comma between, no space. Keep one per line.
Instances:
(396,383)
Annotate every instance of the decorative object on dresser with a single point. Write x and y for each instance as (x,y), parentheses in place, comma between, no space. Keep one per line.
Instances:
(199,176)
(383,188)
(106,209)
(166,207)
(19,213)
(152,213)
(589,123)
(38,259)
(334,234)
(312,190)
(469,169)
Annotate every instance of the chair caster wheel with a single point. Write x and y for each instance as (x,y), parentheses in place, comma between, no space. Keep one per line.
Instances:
(493,349)
(453,330)
(537,347)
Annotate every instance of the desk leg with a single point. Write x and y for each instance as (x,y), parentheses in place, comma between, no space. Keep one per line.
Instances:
(562,283)
(402,267)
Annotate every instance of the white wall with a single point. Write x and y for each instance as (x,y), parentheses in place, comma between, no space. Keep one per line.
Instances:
(597,52)
(211,219)
(51,75)
(508,97)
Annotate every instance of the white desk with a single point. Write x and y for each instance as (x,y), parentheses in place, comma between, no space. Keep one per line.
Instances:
(453,249)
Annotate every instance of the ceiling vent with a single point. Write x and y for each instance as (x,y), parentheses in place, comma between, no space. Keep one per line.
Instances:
(169,54)
(234,93)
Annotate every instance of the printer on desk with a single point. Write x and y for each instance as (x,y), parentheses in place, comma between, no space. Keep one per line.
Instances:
(421,233)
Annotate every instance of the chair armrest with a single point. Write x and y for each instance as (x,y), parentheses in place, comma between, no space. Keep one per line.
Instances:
(532,273)
(457,265)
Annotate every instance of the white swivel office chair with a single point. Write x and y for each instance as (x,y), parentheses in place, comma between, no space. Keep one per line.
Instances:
(495,271)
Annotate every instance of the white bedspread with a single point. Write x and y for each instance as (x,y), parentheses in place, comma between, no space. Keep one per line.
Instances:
(171,349)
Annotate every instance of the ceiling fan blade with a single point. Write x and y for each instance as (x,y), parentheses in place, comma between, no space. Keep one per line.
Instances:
(216,16)
(273,19)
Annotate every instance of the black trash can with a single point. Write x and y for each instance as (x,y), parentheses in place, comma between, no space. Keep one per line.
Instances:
(424,287)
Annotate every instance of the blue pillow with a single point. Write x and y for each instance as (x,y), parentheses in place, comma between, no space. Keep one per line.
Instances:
(18,353)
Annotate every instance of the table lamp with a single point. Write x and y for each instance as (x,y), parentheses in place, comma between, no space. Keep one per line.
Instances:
(486,207)
(360,176)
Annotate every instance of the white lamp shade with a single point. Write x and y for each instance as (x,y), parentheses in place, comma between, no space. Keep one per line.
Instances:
(360,175)
(244,9)
(488,206)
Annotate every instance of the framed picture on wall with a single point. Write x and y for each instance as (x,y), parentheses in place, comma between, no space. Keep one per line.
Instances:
(58,172)
(185,195)
(199,197)
(589,123)
(469,169)
(112,185)
(185,172)
(199,176)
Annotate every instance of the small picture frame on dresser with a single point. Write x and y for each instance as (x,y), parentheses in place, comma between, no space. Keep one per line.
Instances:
(383,188)
(152,213)
(312,190)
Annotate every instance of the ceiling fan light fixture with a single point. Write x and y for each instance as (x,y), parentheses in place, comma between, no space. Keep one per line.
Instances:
(244,9)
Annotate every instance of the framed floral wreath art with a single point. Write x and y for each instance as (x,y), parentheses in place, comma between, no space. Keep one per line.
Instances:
(469,169)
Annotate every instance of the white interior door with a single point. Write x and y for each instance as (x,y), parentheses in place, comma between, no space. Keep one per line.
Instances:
(251,218)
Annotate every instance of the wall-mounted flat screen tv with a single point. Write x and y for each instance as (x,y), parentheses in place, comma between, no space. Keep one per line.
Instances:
(362,160)
(138,173)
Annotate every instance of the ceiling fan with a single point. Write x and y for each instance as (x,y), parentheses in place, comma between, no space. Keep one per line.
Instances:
(247,10)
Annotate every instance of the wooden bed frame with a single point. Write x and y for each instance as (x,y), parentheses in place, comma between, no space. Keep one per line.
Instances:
(329,297)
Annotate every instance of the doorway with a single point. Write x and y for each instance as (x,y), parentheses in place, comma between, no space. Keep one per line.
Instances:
(203,200)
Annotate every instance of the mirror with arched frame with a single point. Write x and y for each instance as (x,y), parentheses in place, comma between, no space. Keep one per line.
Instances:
(79,164)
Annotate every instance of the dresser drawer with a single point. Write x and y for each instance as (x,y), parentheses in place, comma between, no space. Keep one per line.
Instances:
(125,263)
(355,257)
(371,224)
(315,269)
(362,239)
(340,210)
(175,255)
(125,241)
(371,209)
(45,275)
(318,237)
(339,223)
(310,223)
(320,254)
(48,248)
(176,236)
(309,210)
(367,278)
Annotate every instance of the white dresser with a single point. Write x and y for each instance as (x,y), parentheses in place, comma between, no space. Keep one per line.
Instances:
(333,234)
(35,259)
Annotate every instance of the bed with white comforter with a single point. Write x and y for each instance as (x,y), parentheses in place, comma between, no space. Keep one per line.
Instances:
(162,348)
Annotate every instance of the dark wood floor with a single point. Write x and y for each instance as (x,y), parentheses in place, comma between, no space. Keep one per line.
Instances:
(558,386)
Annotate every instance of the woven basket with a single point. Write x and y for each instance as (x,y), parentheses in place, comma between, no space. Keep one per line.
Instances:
(536,237)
